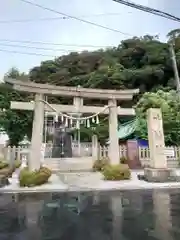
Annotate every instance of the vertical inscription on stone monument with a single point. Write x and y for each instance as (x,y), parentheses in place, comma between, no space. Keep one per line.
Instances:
(156,138)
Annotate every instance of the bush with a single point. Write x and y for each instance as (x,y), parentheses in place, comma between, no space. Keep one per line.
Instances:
(3,164)
(17,163)
(35,178)
(7,171)
(123,160)
(116,172)
(99,165)
(46,171)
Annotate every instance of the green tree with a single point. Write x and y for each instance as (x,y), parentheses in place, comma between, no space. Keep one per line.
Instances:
(174,34)
(16,74)
(169,102)
(142,63)
(138,62)
(15,123)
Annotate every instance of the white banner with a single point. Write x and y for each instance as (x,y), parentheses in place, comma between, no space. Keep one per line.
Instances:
(23,161)
(43,148)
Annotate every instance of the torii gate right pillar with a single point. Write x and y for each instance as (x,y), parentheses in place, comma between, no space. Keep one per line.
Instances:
(113,133)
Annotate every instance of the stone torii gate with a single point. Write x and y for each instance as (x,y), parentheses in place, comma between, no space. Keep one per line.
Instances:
(78,93)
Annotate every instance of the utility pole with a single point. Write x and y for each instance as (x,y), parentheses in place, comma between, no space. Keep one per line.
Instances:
(175,68)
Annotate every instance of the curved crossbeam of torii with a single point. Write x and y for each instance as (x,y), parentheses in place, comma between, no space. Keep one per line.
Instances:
(78,94)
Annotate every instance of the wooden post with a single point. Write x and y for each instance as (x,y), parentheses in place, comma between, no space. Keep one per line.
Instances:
(8,154)
(13,156)
(95,147)
(1,151)
(19,153)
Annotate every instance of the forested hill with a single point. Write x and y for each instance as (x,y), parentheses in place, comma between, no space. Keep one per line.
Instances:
(136,63)
(143,63)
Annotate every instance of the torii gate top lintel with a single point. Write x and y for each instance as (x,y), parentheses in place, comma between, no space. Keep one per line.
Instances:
(27,86)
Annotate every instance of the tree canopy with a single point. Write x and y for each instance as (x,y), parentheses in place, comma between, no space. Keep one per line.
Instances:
(15,123)
(142,63)
(137,62)
(169,102)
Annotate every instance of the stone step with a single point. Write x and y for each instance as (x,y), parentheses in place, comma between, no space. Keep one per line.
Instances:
(69,164)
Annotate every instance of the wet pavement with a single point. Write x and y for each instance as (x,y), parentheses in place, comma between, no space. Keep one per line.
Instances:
(125,215)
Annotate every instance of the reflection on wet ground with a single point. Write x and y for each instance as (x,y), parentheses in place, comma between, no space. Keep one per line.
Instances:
(128,215)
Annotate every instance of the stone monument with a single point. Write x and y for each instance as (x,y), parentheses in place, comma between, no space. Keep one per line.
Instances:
(158,170)
(156,139)
(62,145)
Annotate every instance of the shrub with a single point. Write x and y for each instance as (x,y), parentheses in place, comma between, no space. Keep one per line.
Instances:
(7,171)
(99,165)
(17,163)
(25,177)
(123,160)
(35,178)
(46,171)
(3,164)
(116,172)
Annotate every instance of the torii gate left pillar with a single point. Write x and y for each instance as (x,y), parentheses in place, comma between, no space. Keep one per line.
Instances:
(37,133)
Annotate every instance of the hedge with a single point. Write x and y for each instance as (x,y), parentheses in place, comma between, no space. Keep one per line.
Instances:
(30,179)
(6,170)
(116,172)
(99,165)
(123,160)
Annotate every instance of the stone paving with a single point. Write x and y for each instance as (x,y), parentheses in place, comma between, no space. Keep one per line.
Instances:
(81,179)
(88,181)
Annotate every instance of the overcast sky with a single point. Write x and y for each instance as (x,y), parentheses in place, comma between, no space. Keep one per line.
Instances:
(70,31)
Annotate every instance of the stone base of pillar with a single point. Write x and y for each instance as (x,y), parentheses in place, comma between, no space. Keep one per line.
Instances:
(160,175)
